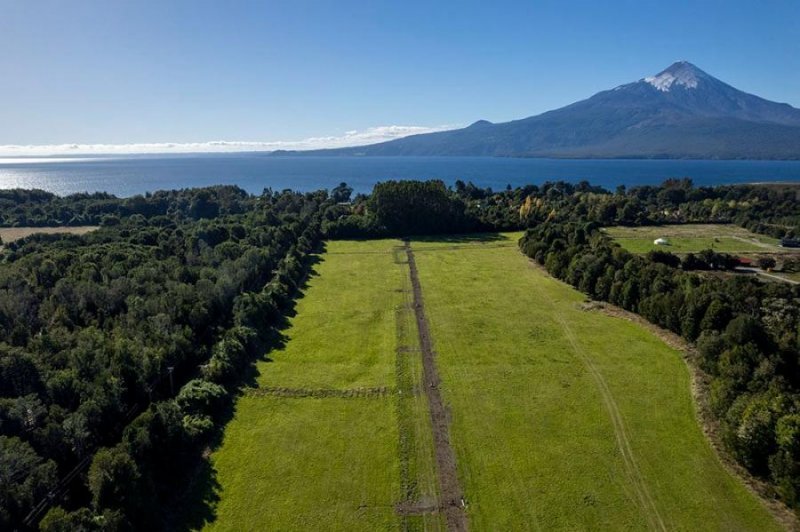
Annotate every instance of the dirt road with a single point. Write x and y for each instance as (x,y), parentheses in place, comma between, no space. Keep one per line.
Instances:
(452,499)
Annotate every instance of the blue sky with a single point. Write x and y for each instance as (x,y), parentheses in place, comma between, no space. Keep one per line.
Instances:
(118,72)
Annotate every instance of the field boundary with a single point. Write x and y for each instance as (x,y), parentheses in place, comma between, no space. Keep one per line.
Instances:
(405,385)
(320,393)
(452,500)
(357,252)
(471,247)
(11,234)
(693,238)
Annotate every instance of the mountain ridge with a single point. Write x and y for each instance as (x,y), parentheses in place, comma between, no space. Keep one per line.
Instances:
(680,113)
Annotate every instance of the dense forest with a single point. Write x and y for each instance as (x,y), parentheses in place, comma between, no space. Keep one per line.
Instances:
(122,349)
(430,207)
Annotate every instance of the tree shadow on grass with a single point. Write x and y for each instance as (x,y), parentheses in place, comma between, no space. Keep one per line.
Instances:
(469,238)
(195,506)
(199,502)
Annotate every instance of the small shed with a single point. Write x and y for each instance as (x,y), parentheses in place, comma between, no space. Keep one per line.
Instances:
(661,242)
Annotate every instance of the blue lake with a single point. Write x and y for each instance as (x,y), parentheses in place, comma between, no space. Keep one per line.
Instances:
(130,175)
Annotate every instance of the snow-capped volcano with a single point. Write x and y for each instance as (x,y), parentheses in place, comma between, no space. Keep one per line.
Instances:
(681,112)
(681,73)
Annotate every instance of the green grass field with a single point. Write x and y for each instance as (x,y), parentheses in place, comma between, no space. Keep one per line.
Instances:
(565,418)
(561,418)
(308,464)
(335,463)
(343,334)
(691,238)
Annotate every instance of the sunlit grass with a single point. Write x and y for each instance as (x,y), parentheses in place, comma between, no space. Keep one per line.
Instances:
(692,238)
(308,464)
(532,431)
(531,423)
(335,463)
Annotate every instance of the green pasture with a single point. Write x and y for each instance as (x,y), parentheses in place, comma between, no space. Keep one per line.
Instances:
(343,331)
(333,463)
(308,464)
(564,418)
(692,238)
(561,417)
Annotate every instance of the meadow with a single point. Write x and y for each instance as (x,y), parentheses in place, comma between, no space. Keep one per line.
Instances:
(692,238)
(560,417)
(336,435)
(565,418)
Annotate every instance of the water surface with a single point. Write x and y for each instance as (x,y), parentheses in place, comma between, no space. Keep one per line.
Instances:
(130,175)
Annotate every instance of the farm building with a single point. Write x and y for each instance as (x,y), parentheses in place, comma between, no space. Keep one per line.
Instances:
(661,242)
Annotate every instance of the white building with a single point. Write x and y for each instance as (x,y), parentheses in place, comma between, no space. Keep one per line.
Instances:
(661,242)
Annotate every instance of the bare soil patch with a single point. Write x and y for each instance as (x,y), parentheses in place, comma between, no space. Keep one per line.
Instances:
(416,508)
(9,234)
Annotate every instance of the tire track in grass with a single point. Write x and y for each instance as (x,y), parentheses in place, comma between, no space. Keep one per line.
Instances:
(620,433)
(452,501)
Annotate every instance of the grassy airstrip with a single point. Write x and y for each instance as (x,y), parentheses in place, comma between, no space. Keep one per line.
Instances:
(565,418)
(691,238)
(562,418)
(332,462)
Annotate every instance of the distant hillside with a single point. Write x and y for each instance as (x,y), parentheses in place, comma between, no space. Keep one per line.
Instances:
(682,112)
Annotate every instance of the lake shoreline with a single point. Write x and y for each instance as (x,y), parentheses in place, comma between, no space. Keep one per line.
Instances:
(130,175)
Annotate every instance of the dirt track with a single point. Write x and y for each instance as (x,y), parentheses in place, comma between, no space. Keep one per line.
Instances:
(452,501)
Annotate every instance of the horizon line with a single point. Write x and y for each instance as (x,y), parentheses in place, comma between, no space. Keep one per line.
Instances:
(371,135)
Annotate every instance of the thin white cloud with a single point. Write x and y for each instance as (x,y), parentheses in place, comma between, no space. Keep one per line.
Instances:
(349,138)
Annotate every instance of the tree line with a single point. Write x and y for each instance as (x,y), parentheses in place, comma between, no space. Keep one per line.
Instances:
(122,348)
(403,208)
(37,208)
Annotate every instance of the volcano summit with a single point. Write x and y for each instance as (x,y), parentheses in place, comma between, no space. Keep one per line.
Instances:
(680,113)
